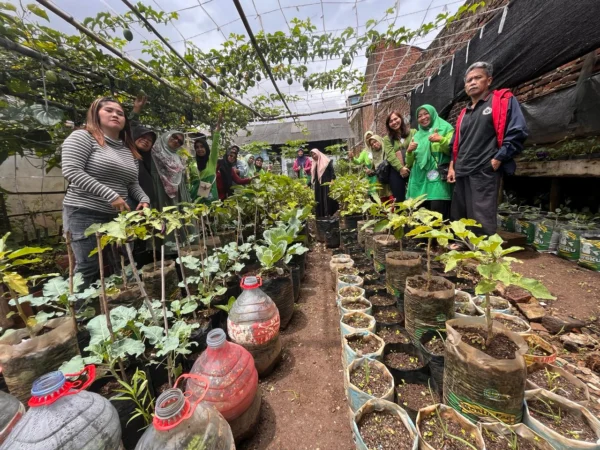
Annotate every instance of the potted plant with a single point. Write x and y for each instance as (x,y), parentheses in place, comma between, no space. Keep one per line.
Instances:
(47,337)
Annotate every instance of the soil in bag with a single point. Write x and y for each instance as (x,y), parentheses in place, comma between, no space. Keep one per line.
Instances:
(441,433)
(356,321)
(380,301)
(384,431)
(416,395)
(555,382)
(561,420)
(393,334)
(389,316)
(495,441)
(515,326)
(501,347)
(370,379)
(406,362)
(362,343)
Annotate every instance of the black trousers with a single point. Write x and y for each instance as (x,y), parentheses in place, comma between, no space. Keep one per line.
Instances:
(476,197)
(441,206)
(398,185)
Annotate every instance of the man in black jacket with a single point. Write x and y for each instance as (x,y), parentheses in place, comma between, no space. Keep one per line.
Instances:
(489,132)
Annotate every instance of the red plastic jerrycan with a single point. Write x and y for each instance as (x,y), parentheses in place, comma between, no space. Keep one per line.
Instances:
(233,379)
(180,424)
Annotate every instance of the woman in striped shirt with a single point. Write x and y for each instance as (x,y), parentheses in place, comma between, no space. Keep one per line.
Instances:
(101,165)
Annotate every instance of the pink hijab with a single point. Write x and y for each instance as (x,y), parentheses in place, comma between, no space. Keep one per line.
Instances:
(320,165)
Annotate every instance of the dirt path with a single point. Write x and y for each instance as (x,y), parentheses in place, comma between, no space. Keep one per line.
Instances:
(577,290)
(304,405)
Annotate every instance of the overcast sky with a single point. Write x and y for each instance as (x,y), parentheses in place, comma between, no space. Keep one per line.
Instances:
(198,21)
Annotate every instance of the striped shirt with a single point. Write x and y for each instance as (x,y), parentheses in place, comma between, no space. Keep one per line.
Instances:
(98,175)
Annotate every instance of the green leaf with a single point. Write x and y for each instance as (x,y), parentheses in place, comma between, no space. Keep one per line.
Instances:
(153,333)
(18,86)
(28,251)
(35,9)
(534,287)
(485,287)
(168,344)
(381,225)
(49,117)
(127,346)
(511,250)
(74,365)
(98,330)
(8,6)
(121,316)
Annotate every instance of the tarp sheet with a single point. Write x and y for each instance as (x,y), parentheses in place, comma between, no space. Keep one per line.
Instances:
(537,36)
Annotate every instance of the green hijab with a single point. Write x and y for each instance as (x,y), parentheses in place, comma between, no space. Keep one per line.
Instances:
(423,153)
(377,154)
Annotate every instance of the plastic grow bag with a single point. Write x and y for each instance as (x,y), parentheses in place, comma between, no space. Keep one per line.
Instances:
(281,291)
(479,386)
(499,304)
(382,245)
(514,319)
(328,231)
(533,341)
(350,354)
(398,269)
(338,261)
(427,310)
(420,375)
(357,397)
(367,308)
(570,244)
(349,280)
(527,227)
(589,255)
(558,441)
(546,237)
(436,362)
(348,329)
(380,406)
(520,430)
(572,379)
(447,413)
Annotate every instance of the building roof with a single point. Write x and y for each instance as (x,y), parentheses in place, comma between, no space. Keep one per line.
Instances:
(280,133)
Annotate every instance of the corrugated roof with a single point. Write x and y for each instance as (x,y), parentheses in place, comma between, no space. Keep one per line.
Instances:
(280,133)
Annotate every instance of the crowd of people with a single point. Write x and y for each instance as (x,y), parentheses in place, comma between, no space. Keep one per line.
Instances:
(115,164)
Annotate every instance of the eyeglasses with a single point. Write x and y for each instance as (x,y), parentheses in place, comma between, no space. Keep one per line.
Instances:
(176,139)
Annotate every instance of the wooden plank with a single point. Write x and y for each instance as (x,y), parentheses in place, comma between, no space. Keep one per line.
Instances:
(566,168)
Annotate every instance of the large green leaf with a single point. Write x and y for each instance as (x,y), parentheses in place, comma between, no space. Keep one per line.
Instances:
(127,346)
(153,333)
(121,316)
(98,330)
(168,344)
(535,287)
(35,9)
(28,251)
(485,287)
(49,117)
(495,271)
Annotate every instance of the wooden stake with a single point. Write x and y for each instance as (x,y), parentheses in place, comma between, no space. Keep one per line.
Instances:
(164,308)
(71,275)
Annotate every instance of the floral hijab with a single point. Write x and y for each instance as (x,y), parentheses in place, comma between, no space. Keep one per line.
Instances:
(169,165)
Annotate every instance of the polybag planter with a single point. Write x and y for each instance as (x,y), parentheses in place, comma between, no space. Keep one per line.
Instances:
(589,254)
(572,379)
(348,329)
(366,309)
(447,413)
(348,293)
(520,430)
(479,386)
(557,440)
(356,396)
(380,406)
(399,267)
(382,245)
(499,304)
(350,354)
(425,310)
(436,362)
(514,319)
(419,375)
(349,280)
(338,261)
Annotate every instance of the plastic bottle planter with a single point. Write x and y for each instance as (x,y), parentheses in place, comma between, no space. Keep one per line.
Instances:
(181,424)
(360,304)
(361,376)
(362,344)
(513,323)
(559,381)
(338,261)
(355,322)
(11,411)
(499,304)
(233,383)
(253,323)
(400,266)
(479,386)
(62,416)
(428,421)
(406,362)
(432,344)
(507,433)
(559,435)
(425,310)
(375,406)
(539,351)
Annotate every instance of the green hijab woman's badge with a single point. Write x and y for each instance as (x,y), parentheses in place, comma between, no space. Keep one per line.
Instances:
(433,175)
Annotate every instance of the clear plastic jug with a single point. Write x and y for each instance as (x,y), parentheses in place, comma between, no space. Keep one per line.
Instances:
(254,317)
(11,411)
(181,425)
(63,416)
(233,379)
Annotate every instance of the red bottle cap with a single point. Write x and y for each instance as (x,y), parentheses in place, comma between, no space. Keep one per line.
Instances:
(54,385)
(251,282)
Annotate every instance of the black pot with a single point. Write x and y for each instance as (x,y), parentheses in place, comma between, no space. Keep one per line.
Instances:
(131,431)
(328,231)
(83,339)
(436,362)
(281,291)
(351,222)
(398,320)
(420,375)
(300,261)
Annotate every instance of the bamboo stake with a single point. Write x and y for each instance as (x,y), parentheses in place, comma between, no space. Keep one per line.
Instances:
(164,308)
(140,283)
(104,302)
(71,274)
